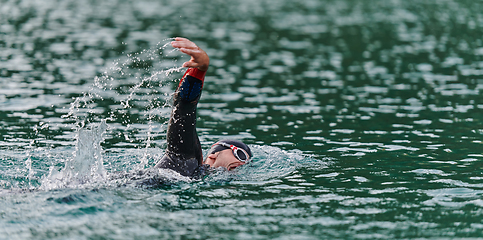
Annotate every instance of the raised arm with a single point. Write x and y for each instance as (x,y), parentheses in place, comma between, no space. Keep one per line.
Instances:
(183,153)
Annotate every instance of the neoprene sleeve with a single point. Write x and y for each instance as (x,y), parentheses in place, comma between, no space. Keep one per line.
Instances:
(183,153)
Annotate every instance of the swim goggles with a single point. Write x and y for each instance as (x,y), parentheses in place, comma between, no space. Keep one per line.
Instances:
(239,153)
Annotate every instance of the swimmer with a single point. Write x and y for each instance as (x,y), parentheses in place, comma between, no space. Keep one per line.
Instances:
(183,153)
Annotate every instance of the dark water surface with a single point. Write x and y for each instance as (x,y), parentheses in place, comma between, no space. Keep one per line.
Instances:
(365,118)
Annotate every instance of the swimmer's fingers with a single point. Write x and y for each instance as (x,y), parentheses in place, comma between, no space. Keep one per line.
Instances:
(180,42)
(198,56)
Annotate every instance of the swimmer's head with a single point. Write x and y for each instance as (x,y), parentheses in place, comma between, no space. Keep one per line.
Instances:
(229,154)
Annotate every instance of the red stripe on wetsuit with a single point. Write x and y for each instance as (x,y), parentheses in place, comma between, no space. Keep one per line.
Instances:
(194,72)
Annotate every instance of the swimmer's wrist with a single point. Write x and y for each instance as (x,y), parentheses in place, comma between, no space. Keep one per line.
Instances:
(197,73)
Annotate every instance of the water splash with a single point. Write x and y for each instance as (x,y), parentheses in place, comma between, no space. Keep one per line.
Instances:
(145,72)
(135,83)
(86,167)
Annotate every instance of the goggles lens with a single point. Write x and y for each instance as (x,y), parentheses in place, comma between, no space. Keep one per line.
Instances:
(240,155)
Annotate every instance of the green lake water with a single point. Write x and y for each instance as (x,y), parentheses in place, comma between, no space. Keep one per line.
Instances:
(365,118)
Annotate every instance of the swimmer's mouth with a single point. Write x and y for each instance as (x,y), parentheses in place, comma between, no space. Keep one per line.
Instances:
(230,167)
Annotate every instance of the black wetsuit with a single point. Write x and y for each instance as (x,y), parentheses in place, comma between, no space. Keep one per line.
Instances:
(183,153)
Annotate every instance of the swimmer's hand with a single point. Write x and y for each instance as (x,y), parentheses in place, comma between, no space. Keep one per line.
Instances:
(199,58)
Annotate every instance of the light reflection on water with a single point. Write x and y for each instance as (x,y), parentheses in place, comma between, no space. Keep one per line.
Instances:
(364,117)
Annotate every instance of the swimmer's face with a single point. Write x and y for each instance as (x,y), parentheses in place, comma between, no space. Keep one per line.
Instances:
(224,159)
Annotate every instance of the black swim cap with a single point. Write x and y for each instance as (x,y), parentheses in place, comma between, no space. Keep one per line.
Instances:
(216,147)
